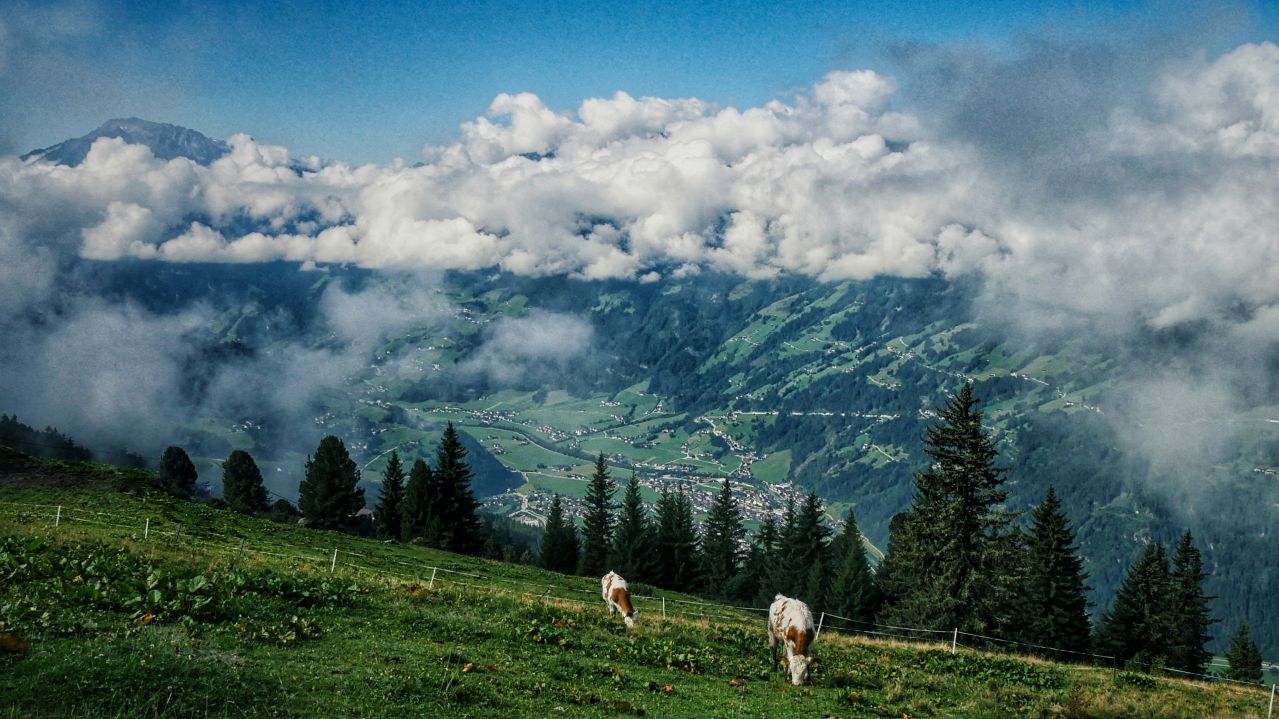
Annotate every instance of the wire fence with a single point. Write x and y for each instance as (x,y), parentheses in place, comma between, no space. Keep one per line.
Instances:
(144,528)
(333,558)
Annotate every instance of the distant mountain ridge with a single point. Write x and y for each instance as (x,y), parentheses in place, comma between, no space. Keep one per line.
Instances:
(166,142)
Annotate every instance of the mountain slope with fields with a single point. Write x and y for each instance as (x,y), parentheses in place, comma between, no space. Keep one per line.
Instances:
(141,619)
(784,386)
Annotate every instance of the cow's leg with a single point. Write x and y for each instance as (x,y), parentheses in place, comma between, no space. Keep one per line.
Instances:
(772,650)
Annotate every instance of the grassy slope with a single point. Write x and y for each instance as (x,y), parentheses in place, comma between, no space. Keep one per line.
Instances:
(371,639)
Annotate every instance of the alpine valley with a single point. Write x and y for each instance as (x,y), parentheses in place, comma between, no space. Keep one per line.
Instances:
(785,385)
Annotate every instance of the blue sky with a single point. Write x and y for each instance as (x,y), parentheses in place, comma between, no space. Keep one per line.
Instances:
(373,81)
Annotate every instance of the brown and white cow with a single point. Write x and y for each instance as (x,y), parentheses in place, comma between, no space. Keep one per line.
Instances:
(617,597)
(791,623)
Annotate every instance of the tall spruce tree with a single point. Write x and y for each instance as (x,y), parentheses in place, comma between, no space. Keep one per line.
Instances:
(806,555)
(722,535)
(676,540)
(1189,614)
(328,495)
(852,593)
(1244,657)
(559,550)
(597,522)
(492,548)
(1136,627)
(456,506)
(390,498)
(417,520)
(891,576)
(771,547)
(242,487)
(786,533)
(632,554)
(756,584)
(177,474)
(952,547)
(1056,606)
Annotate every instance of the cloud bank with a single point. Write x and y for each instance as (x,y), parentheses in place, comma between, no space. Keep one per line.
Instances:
(1081,194)
(1150,207)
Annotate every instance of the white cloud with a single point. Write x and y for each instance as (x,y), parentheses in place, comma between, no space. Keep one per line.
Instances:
(199,243)
(517,347)
(1156,211)
(129,230)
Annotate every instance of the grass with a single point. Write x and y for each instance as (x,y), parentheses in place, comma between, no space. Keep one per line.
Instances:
(124,625)
(773,468)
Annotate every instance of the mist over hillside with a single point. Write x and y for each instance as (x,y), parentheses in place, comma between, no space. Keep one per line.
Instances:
(781,293)
(825,385)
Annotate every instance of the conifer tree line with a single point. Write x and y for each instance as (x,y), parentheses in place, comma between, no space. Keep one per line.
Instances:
(956,559)
(666,548)
(432,505)
(437,507)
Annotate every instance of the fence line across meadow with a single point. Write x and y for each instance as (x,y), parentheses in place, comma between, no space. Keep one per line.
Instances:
(828,621)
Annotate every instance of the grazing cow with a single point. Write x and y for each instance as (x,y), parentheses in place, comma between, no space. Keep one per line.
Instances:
(791,623)
(617,597)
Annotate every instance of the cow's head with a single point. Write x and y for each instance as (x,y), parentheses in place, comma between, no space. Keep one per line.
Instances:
(798,666)
(630,619)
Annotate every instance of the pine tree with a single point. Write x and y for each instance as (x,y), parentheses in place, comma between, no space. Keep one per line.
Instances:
(806,557)
(755,584)
(177,474)
(559,551)
(1007,553)
(632,553)
(328,496)
(492,548)
(390,499)
(283,511)
(456,506)
(500,541)
(1244,657)
(242,487)
(852,592)
(676,540)
(954,546)
(786,533)
(417,520)
(892,577)
(1056,610)
(597,524)
(1189,615)
(722,535)
(1136,627)
(769,556)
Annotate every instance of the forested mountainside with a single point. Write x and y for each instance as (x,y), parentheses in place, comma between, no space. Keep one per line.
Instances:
(780,384)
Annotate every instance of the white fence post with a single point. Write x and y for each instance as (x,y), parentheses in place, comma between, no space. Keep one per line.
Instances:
(146,529)
(240,554)
(663,608)
(819,625)
(1272,702)
(432,584)
(954,640)
(58,519)
(334,564)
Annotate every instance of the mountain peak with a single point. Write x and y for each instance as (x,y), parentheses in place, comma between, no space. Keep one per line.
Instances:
(165,141)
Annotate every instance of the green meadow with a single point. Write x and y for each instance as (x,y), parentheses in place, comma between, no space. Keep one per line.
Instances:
(117,601)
